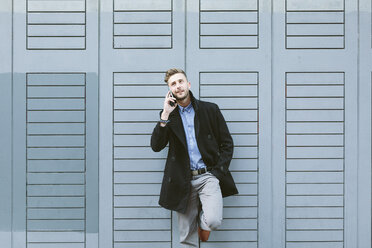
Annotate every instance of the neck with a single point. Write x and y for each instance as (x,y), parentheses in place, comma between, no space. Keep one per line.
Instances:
(185,102)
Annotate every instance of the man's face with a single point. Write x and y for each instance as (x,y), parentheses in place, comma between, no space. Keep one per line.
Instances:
(179,86)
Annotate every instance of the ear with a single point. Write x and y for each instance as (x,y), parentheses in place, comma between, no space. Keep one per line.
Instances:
(189,85)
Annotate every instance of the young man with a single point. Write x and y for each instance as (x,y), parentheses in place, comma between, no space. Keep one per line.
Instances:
(196,174)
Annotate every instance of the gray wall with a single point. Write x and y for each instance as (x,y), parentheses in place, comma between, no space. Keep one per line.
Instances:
(81,85)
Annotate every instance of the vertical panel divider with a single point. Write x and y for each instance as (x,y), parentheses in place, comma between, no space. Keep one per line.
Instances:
(6,62)
(364,124)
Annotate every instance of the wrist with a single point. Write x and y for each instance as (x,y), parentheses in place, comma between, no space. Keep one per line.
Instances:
(164,116)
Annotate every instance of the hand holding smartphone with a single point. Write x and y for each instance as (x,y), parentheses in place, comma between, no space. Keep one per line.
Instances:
(172,102)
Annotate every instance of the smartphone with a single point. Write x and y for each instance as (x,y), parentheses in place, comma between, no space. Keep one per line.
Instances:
(172,103)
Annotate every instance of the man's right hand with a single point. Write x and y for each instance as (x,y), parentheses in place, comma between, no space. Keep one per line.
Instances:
(167,108)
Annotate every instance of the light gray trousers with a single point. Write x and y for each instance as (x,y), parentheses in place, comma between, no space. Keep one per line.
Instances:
(204,209)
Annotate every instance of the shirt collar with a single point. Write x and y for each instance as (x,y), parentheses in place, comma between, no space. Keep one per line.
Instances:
(187,108)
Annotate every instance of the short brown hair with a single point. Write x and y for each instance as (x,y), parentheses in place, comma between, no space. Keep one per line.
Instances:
(171,72)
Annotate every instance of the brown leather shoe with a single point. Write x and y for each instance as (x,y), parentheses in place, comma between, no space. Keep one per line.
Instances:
(203,234)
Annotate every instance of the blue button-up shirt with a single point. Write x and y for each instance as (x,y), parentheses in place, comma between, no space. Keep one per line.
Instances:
(187,115)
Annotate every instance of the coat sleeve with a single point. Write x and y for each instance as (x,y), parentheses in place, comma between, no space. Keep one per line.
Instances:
(159,137)
(225,144)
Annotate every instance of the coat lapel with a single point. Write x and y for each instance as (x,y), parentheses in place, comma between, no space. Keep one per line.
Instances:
(177,127)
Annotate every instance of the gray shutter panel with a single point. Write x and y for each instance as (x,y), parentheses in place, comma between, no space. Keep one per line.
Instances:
(315,159)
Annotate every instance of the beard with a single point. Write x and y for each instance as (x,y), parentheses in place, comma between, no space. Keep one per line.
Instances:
(182,98)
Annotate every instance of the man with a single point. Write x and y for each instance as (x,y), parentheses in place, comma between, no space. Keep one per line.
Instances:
(196,174)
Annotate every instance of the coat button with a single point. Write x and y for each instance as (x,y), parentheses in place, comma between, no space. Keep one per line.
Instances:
(209,136)
(173,158)
(222,169)
(218,153)
(169,179)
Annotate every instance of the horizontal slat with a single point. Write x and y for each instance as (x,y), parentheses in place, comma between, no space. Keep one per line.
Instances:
(315,164)
(56,30)
(55,79)
(134,128)
(59,5)
(56,91)
(142,213)
(142,224)
(245,140)
(56,116)
(315,140)
(315,29)
(318,244)
(56,245)
(56,42)
(315,78)
(138,177)
(315,224)
(55,165)
(53,18)
(142,236)
(52,237)
(247,189)
(240,115)
(55,190)
(234,103)
(315,189)
(142,42)
(315,17)
(314,212)
(238,224)
(315,91)
(54,225)
(137,189)
(315,103)
(245,177)
(55,153)
(138,153)
(240,212)
(229,29)
(143,29)
(138,78)
(232,244)
(315,5)
(60,202)
(228,5)
(136,201)
(56,213)
(55,178)
(233,236)
(55,141)
(315,128)
(157,244)
(143,5)
(132,140)
(231,17)
(229,42)
(55,104)
(315,42)
(243,127)
(139,165)
(315,115)
(141,91)
(315,235)
(139,103)
(315,152)
(234,90)
(142,17)
(240,201)
(315,177)
(315,201)
(243,164)
(227,78)
(55,128)
(136,115)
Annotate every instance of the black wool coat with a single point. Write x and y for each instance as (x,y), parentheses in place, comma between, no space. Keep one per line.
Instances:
(215,145)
